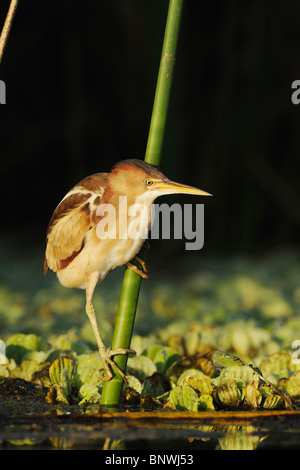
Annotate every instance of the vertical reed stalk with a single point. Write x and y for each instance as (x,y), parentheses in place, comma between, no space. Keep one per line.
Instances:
(131,284)
(7,26)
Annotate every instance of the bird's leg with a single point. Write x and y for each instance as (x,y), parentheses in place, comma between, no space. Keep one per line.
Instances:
(137,270)
(105,353)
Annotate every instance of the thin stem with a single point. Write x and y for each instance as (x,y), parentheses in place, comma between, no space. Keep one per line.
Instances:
(164,82)
(131,284)
(7,26)
(122,335)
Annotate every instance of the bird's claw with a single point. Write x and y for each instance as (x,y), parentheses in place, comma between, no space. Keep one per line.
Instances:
(116,351)
(108,362)
(141,272)
(142,263)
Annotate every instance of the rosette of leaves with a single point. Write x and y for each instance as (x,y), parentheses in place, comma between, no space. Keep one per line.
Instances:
(183,398)
(291,385)
(81,381)
(241,384)
(192,393)
(76,382)
(22,347)
(62,373)
(237,385)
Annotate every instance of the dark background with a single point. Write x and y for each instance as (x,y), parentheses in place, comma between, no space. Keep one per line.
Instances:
(80,79)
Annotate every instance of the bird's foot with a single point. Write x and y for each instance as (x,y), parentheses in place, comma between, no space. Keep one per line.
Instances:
(108,363)
(142,272)
(142,263)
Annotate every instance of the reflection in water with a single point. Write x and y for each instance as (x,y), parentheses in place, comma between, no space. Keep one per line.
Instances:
(183,437)
(239,438)
(230,438)
(109,444)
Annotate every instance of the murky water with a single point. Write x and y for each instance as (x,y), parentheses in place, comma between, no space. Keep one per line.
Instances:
(39,426)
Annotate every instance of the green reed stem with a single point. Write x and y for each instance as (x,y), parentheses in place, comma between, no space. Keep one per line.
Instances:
(164,82)
(131,284)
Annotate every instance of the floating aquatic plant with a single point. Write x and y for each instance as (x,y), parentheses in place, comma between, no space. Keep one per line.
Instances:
(21,346)
(292,385)
(159,377)
(140,366)
(74,374)
(183,398)
(229,393)
(62,373)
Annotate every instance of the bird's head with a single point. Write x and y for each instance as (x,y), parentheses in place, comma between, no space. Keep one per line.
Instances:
(142,180)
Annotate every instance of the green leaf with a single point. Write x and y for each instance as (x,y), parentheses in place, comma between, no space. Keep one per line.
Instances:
(195,373)
(229,393)
(293,385)
(222,360)
(154,351)
(140,366)
(164,357)
(89,394)
(252,396)
(62,373)
(26,370)
(201,385)
(205,402)
(237,372)
(89,375)
(17,346)
(272,402)
(89,359)
(37,356)
(143,344)
(277,363)
(184,398)
(154,385)
(134,383)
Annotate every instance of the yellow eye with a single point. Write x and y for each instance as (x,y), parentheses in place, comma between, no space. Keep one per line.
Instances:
(148,182)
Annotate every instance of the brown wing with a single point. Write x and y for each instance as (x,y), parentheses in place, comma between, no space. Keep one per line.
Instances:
(71,221)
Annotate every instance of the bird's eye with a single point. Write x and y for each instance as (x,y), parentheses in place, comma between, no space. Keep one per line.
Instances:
(148,182)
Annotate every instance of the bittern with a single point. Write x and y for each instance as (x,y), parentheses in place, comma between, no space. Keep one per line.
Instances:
(82,255)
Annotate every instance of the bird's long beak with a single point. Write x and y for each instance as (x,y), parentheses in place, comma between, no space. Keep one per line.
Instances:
(171,187)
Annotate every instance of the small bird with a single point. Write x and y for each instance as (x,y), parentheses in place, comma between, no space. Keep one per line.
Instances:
(82,255)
